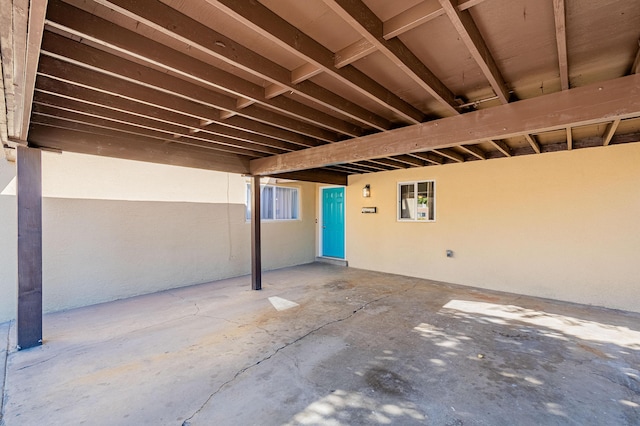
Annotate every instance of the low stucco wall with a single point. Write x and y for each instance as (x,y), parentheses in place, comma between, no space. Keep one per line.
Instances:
(560,225)
(8,243)
(115,228)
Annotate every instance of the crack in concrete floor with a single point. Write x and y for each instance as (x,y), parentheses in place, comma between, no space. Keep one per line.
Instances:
(202,351)
(187,421)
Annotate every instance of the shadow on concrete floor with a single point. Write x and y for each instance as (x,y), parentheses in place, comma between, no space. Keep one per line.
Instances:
(327,345)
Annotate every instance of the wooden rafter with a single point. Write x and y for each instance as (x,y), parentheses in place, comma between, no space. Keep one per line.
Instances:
(136,148)
(428,157)
(375,166)
(274,28)
(37,12)
(369,26)
(618,98)
(450,154)
(167,21)
(561,41)
(65,95)
(411,18)
(502,147)
(73,74)
(610,131)
(20,21)
(6,59)
(399,24)
(635,68)
(533,142)
(475,151)
(76,23)
(118,121)
(393,164)
(87,57)
(409,160)
(470,35)
(569,139)
(353,52)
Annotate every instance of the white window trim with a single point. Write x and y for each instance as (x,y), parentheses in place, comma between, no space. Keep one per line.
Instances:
(415,184)
(262,186)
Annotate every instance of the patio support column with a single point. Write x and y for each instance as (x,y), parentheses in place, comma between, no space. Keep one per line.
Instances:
(256,258)
(29,197)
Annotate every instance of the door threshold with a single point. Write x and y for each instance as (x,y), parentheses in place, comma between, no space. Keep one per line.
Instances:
(332,261)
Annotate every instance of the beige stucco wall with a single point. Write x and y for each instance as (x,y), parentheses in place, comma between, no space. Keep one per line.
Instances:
(560,225)
(8,243)
(115,228)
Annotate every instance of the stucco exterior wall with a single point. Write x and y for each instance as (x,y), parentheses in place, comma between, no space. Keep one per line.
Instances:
(115,228)
(8,243)
(560,225)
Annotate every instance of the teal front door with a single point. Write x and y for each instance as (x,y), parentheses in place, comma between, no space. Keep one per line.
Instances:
(333,222)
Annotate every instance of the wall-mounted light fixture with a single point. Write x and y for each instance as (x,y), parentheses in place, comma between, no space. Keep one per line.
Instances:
(366,191)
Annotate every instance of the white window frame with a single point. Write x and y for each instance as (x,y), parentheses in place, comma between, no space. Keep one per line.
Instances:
(415,189)
(262,210)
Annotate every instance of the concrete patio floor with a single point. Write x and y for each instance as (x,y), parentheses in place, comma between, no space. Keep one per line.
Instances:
(360,347)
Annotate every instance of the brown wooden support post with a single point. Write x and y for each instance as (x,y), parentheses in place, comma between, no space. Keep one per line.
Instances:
(29,185)
(256,257)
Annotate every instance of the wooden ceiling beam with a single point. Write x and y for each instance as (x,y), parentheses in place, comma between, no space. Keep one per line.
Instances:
(106,128)
(569,139)
(450,154)
(96,60)
(351,168)
(388,162)
(592,104)
(533,142)
(123,122)
(76,23)
(502,147)
(399,24)
(411,18)
(65,95)
(85,78)
(561,42)
(417,15)
(475,151)
(370,27)
(6,60)
(317,175)
(374,166)
(79,24)
(471,37)
(4,132)
(37,12)
(304,72)
(610,131)
(277,30)
(136,148)
(19,25)
(168,21)
(409,160)
(428,157)
(635,68)
(353,52)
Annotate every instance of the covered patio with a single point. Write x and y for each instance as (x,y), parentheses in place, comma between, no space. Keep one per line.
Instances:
(473,162)
(328,345)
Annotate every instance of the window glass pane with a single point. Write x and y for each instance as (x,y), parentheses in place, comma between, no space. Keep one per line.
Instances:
(425,199)
(266,202)
(276,203)
(407,201)
(286,203)
(248,209)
